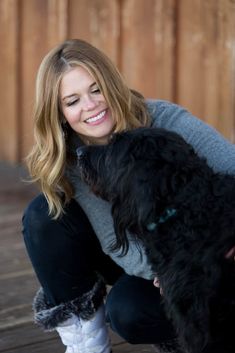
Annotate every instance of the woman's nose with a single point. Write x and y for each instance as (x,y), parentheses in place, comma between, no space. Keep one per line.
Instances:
(89,103)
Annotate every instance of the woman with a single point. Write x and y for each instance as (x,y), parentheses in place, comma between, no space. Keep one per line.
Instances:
(82,99)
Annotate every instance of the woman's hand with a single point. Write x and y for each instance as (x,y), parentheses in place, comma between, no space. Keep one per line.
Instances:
(157,284)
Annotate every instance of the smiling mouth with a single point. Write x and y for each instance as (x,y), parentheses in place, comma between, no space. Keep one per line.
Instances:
(96,118)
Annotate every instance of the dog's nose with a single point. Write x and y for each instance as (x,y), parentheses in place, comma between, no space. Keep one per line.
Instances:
(80,151)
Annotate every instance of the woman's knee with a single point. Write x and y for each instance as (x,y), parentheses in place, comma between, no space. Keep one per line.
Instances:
(135,311)
(58,251)
(35,217)
(124,316)
(68,241)
(38,223)
(122,322)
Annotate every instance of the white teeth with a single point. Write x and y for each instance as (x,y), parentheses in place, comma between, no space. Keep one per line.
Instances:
(95,118)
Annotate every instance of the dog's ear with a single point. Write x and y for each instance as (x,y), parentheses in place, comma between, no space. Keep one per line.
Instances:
(156,167)
(137,203)
(131,214)
(147,191)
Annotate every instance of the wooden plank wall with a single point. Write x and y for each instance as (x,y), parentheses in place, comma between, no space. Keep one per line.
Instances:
(180,50)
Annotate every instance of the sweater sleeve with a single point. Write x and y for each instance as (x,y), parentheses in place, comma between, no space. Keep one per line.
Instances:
(206,141)
(98,212)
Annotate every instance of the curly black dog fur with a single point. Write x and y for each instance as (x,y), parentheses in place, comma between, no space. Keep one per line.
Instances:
(184,213)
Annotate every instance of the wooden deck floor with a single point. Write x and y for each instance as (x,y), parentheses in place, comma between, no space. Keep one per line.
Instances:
(18,333)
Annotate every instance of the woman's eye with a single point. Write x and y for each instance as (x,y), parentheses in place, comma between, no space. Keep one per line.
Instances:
(71,103)
(96,91)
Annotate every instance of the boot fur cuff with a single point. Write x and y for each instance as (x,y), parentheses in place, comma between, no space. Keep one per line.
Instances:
(49,317)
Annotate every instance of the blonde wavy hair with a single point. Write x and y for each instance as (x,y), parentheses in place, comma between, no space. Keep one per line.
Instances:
(48,158)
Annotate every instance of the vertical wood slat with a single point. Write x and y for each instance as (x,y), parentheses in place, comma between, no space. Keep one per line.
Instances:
(9,117)
(32,41)
(57,21)
(44,24)
(148,42)
(205,69)
(96,21)
(226,70)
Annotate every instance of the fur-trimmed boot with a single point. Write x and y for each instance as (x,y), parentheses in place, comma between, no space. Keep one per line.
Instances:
(80,322)
(85,336)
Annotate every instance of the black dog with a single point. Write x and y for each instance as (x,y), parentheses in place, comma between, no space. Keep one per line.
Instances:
(184,213)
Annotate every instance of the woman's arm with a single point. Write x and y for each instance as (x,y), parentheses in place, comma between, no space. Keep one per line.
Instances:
(207,142)
(98,212)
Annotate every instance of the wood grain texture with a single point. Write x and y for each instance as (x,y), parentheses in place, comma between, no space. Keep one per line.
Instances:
(178,50)
(205,70)
(96,21)
(43,25)
(9,85)
(147,46)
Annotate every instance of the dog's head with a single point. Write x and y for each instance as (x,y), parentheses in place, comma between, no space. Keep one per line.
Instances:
(139,172)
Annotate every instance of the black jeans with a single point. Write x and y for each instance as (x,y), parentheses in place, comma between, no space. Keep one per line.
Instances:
(67,256)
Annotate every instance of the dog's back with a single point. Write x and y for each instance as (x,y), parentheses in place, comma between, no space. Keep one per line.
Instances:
(190,254)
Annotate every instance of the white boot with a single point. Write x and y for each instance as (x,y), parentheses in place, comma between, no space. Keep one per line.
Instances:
(85,336)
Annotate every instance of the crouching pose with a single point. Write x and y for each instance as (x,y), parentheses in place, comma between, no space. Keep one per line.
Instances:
(184,215)
(81,99)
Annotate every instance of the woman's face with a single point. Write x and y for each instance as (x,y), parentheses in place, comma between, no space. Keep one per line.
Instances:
(84,106)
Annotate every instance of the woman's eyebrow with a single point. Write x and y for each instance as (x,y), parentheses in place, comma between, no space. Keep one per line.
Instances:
(75,94)
(69,96)
(93,84)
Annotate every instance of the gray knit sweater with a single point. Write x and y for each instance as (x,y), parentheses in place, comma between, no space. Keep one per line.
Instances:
(206,141)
